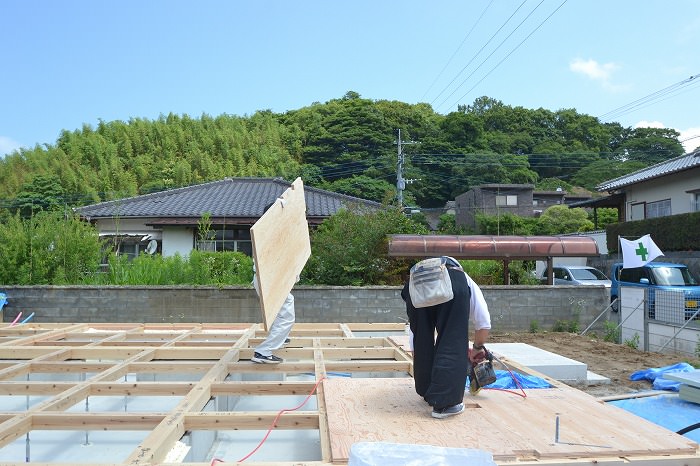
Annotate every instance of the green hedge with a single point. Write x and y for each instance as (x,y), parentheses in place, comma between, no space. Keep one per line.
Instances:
(673,233)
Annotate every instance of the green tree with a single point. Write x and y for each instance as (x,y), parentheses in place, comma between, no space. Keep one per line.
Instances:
(42,193)
(350,248)
(48,248)
(602,170)
(335,144)
(650,145)
(561,219)
(447,225)
(552,184)
(605,216)
(507,224)
(364,187)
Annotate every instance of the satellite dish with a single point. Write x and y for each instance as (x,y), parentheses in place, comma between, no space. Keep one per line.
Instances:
(152,246)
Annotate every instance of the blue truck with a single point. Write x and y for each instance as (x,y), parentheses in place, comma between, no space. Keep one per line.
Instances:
(657,276)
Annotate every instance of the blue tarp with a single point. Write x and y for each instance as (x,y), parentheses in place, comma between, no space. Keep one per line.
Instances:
(656,376)
(504,380)
(666,410)
(3,300)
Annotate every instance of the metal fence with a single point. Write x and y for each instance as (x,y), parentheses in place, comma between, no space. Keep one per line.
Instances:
(665,322)
(674,307)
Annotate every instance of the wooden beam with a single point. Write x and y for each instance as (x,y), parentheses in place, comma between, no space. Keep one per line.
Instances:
(321,376)
(14,428)
(331,366)
(49,334)
(249,420)
(157,445)
(96,421)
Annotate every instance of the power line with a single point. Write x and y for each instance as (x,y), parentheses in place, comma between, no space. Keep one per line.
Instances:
(511,52)
(654,97)
(476,55)
(494,50)
(457,50)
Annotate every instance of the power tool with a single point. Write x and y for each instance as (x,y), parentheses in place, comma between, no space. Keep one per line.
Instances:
(481,373)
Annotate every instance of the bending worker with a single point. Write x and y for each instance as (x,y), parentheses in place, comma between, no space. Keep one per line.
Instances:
(441,353)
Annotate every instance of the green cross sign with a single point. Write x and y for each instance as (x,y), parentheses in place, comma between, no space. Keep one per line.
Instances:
(641,251)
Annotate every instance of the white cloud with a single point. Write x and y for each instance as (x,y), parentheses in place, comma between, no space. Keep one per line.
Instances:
(595,71)
(649,124)
(7,145)
(690,138)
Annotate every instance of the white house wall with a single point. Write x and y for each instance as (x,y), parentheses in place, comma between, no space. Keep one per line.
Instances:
(177,240)
(669,187)
(126,226)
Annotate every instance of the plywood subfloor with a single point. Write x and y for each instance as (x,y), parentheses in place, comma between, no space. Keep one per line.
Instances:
(508,426)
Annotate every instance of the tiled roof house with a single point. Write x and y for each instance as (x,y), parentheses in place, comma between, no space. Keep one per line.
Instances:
(667,188)
(168,221)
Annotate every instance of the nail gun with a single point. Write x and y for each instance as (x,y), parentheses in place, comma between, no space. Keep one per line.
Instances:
(481,373)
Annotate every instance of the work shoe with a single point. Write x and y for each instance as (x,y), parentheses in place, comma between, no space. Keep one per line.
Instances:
(442,413)
(260,359)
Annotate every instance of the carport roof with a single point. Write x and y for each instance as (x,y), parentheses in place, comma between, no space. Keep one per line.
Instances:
(492,247)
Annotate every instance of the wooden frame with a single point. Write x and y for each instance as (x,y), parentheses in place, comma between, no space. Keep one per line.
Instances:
(69,364)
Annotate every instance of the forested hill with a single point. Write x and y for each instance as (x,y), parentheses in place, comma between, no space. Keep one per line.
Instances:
(346,145)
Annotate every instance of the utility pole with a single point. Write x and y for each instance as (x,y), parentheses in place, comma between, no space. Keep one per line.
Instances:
(400,180)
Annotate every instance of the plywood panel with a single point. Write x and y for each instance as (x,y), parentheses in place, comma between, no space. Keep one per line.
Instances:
(281,248)
(508,426)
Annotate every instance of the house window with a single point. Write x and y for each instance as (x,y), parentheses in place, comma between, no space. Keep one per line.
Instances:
(228,239)
(637,211)
(128,249)
(128,246)
(695,203)
(658,208)
(506,200)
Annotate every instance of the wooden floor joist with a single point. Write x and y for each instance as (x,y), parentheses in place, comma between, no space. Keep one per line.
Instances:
(58,378)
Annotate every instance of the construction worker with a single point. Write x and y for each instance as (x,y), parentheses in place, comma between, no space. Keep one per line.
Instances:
(441,353)
(278,333)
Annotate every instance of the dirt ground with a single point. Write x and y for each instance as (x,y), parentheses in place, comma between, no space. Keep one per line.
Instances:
(614,361)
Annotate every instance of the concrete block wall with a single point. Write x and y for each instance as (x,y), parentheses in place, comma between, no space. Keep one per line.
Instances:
(513,308)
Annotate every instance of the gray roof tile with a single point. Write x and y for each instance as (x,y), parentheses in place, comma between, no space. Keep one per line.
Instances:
(230,197)
(684,162)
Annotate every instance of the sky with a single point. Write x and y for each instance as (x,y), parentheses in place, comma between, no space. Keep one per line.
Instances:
(69,63)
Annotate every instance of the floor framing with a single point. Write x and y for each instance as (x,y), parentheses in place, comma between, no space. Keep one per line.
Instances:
(358,376)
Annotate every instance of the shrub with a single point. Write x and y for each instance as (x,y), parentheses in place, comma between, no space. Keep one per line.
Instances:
(633,342)
(350,248)
(49,248)
(199,268)
(612,332)
(569,326)
(534,326)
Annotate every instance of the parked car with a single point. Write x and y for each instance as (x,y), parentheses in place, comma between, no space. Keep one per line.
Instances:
(577,275)
(657,276)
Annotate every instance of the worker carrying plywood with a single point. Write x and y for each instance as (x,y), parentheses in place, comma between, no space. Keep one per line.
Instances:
(441,299)
(281,247)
